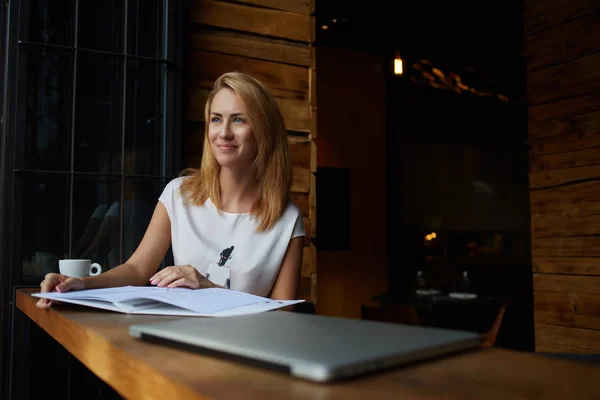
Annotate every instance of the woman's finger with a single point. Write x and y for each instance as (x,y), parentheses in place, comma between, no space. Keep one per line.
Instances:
(160,275)
(168,279)
(182,282)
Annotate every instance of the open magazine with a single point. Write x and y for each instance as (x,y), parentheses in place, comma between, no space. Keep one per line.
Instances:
(213,302)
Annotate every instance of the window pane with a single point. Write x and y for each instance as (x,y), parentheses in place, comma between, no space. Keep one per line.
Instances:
(144,132)
(140,198)
(145,28)
(48,109)
(96,234)
(101,25)
(50,21)
(44,215)
(98,113)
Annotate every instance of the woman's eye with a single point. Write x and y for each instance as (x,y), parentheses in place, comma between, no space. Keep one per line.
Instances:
(215,120)
(238,120)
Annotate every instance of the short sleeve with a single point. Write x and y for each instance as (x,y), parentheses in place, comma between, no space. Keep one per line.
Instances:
(298,227)
(167,197)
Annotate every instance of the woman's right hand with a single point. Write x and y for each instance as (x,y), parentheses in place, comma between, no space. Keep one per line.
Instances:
(58,283)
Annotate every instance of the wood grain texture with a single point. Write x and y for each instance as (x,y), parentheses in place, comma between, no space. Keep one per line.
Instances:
(548,179)
(535,8)
(563,43)
(582,340)
(582,246)
(100,340)
(567,283)
(583,77)
(284,81)
(569,266)
(245,18)
(570,159)
(581,132)
(563,116)
(567,309)
(303,7)
(301,180)
(302,201)
(250,46)
(560,16)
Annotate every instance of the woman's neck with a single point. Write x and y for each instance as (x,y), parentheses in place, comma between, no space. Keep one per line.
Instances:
(239,190)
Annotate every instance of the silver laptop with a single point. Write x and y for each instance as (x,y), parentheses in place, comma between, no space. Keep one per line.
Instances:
(312,347)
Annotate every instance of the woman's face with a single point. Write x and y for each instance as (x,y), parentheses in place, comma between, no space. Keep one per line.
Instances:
(229,132)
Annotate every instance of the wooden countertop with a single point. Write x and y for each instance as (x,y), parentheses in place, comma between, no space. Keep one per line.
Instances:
(139,370)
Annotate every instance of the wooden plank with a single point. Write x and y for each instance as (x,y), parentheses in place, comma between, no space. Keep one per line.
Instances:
(313,122)
(583,304)
(577,38)
(300,153)
(567,319)
(567,309)
(285,81)
(534,8)
(301,180)
(312,87)
(313,156)
(296,6)
(561,116)
(586,246)
(583,339)
(257,20)
(546,179)
(307,227)
(567,283)
(560,16)
(560,197)
(302,201)
(570,266)
(571,159)
(579,77)
(547,347)
(574,221)
(251,46)
(296,113)
(582,131)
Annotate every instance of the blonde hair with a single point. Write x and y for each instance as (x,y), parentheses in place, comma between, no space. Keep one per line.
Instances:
(272,165)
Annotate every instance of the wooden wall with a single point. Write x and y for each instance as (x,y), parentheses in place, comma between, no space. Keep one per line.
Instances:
(272,41)
(562,43)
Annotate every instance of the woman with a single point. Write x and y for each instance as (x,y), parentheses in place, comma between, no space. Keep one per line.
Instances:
(232,219)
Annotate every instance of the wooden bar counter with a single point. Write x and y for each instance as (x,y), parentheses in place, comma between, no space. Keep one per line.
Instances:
(139,370)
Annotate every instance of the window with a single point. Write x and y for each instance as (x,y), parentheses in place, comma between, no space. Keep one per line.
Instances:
(93,126)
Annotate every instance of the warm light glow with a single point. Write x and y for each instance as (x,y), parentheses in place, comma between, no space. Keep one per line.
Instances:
(324,27)
(428,237)
(398,67)
(334,21)
(433,235)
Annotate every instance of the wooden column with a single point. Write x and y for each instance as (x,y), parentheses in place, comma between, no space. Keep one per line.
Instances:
(272,41)
(562,40)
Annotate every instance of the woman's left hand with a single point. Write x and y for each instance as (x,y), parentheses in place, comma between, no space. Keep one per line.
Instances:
(183,276)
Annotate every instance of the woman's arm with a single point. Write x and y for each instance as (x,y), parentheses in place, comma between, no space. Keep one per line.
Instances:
(146,259)
(288,280)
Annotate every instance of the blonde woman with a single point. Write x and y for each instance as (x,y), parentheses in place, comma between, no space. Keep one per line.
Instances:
(230,223)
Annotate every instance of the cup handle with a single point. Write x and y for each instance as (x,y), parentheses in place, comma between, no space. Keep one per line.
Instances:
(98,269)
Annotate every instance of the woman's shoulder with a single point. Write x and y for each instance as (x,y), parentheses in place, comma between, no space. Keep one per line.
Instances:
(291,210)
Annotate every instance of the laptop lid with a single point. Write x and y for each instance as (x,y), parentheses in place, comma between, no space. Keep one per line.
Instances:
(313,347)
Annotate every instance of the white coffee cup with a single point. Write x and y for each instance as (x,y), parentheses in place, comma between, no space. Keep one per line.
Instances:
(79,268)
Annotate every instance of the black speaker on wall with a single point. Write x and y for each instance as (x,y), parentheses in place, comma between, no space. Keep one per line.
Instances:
(334,220)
